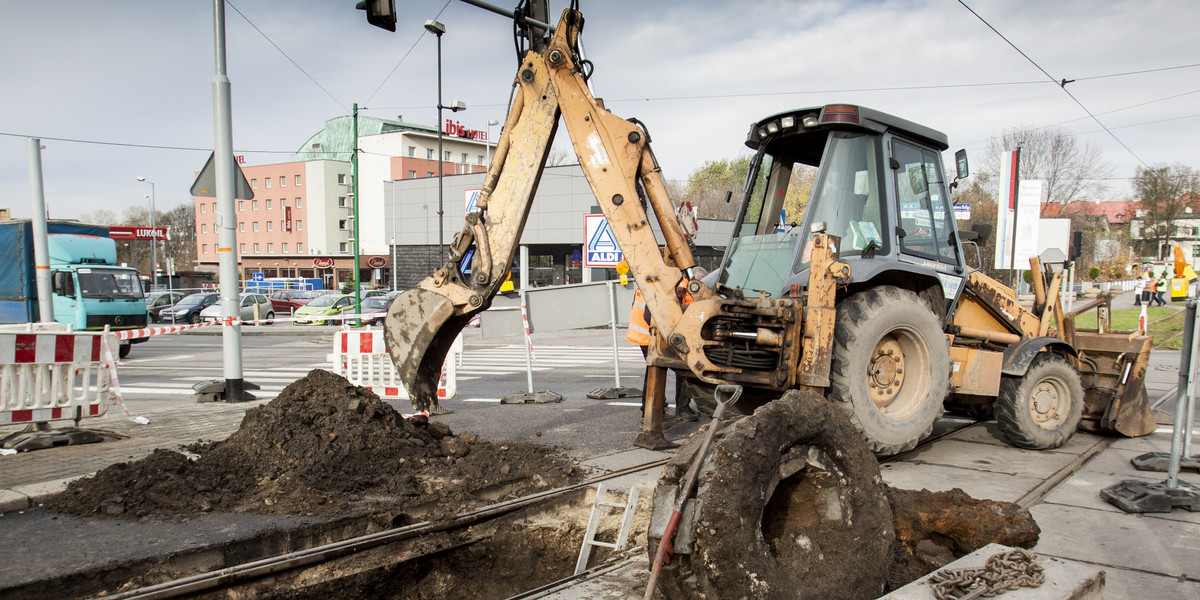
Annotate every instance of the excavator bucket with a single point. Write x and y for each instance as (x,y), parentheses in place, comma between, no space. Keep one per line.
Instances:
(419,329)
(1116,367)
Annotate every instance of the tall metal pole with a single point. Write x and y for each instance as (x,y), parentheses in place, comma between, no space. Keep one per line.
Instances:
(226,216)
(41,249)
(153,237)
(354,210)
(441,192)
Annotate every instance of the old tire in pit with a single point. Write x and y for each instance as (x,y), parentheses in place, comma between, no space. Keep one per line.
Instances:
(1041,410)
(891,367)
(789,504)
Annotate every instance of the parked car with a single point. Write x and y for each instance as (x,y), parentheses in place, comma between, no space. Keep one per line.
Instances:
(373,293)
(188,309)
(157,301)
(324,306)
(286,301)
(246,309)
(375,309)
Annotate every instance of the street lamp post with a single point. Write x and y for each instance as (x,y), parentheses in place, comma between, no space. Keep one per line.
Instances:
(153,237)
(438,29)
(488,151)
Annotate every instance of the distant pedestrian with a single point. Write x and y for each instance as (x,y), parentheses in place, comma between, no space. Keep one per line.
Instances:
(1138,289)
(1161,288)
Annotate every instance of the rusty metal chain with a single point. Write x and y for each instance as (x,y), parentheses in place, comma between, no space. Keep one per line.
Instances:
(1003,571)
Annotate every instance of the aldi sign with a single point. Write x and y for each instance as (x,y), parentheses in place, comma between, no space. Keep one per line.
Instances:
(600,245)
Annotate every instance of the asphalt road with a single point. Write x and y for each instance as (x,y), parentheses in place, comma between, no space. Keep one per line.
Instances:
(571,364)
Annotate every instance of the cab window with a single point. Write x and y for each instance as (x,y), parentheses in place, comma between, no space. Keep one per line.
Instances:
(925,216)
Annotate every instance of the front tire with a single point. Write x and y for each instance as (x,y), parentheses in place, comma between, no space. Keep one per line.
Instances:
(123,350)
(194,319)
(891,367)
(1041,410)
(270,318)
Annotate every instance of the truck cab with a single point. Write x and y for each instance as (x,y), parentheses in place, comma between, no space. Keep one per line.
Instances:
(879,186)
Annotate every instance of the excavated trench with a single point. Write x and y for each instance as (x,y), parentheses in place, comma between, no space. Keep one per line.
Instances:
(411,490)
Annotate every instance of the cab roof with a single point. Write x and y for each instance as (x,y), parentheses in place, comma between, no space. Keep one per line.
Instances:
(817,121)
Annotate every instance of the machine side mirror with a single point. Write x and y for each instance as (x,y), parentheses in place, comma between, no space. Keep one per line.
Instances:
(960,163)
(63,284)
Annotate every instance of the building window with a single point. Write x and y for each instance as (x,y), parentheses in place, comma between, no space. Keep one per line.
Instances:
(299,204)
(282,181)
(270,225)
(284,247)
(464,158)
(254,183)
(300,247)
(254,205)
(341,178)
(429,153)
(342,247)
(242,226)
(243,248)
(268,182)
(283,225)
(203,228)
(480,157)
(341,202)
(256,245)
(268,205)
(255,226)
(297,181)
(412,151)
(412,174)
(241,205)
(283,203)
(446,156)
(429,173)
(270,248)
(214,208)
(204,249)
(203,209)
(299,225)
(342,224)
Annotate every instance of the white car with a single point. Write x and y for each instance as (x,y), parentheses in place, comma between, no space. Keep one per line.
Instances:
(245,311)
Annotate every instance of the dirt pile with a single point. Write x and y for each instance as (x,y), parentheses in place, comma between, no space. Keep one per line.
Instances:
(324,446)
(935,528)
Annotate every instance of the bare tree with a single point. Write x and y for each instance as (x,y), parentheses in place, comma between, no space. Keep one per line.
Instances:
(182,246)
(100,216)
(1072,172)
(708,187)
(1165,192)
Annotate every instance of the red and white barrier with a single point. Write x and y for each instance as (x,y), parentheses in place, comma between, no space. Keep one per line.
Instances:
(359,356)
(52,375)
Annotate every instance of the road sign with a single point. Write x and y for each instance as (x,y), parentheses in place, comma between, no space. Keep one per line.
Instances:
(600,245)
(470,198)
(205,185)
(257,277)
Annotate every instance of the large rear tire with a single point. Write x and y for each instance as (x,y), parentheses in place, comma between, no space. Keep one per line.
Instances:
(790,504)
(1041,410)
(891,367)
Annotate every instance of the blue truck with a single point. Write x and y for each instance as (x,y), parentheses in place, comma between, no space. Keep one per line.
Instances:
(90,290)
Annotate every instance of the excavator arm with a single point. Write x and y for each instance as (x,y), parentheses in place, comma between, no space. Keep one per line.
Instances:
(615,156)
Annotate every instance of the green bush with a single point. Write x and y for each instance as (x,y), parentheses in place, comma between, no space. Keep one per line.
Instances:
(1094,273)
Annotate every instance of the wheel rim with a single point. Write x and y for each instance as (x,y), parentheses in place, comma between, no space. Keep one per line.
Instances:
(1050,403)
(897,373)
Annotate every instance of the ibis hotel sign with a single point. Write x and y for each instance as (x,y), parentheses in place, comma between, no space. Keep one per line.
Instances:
(456,129)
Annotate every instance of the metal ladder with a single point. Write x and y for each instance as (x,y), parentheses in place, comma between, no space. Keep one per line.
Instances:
(599,504)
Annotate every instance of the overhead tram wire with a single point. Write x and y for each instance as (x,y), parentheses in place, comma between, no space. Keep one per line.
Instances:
(341,106)
(1062,83)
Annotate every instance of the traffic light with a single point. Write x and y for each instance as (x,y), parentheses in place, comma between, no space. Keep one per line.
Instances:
(380,13)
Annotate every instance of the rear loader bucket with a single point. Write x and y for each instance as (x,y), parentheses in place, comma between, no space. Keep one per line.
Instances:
(418,332)
(1131,415)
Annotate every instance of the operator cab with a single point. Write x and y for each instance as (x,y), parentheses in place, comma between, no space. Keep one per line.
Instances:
(879,185)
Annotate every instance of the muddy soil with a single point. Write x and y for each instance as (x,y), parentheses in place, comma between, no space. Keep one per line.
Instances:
(323,447)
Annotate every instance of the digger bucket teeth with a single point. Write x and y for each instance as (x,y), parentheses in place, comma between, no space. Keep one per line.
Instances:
(420,327)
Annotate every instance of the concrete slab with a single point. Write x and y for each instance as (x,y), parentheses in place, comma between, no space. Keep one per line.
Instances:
(11,501)
(940,478)
(1160,441)
(1127,583)
(996,459)
(1065,579)
(625,581)
(38,491)
(989,433)
(1157,546)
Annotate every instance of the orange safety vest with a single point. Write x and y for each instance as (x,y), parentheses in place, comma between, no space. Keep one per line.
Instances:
(639,321)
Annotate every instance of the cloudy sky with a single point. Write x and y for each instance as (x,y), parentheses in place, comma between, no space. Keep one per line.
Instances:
(123,88)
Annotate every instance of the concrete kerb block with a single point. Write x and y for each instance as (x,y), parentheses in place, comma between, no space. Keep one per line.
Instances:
(13,501)
(25,496)
(1065,579)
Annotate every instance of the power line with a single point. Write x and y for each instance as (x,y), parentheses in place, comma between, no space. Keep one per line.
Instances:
(285,55)
(1061,83)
